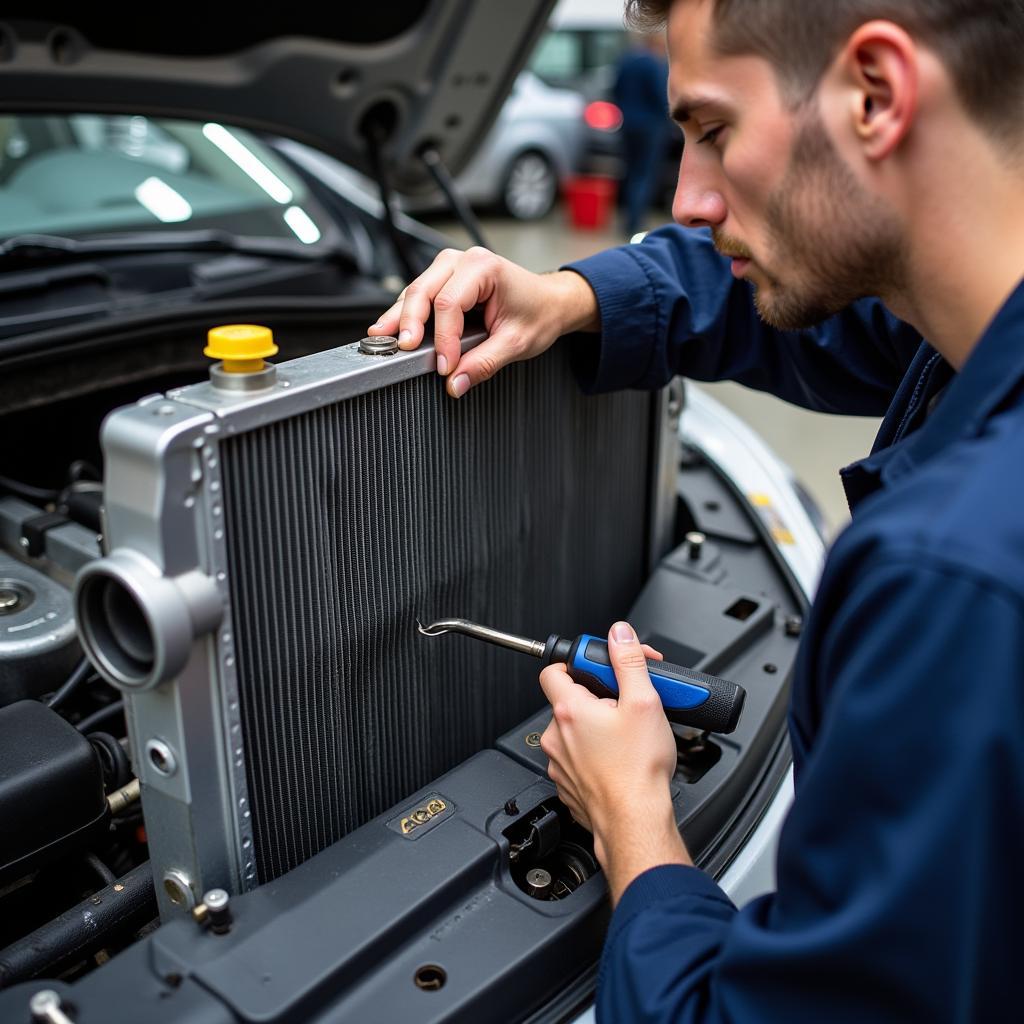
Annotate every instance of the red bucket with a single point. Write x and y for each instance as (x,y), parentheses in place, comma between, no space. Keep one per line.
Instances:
(591,200)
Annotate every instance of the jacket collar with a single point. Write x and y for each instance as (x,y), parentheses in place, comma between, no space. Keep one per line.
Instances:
(993,370)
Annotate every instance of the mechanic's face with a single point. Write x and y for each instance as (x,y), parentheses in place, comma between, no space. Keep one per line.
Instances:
(770,184)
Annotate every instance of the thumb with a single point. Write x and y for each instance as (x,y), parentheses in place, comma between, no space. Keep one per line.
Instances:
(630,665)
(483,362)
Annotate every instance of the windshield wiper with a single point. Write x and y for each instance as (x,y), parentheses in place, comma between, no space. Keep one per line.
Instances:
(36,249)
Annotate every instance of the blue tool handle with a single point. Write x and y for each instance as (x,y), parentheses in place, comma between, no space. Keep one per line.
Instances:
(690,698)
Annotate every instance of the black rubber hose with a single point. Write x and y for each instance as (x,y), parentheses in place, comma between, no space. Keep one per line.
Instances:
(91,721)
(107,877)
(117,768)
(456,202)
(27,491)
(113,912)
(82,672)
(83,507)
(375,136)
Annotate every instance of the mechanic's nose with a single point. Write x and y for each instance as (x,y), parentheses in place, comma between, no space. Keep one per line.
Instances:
(696,203)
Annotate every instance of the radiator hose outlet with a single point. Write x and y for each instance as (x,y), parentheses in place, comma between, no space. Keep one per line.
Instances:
(138,626)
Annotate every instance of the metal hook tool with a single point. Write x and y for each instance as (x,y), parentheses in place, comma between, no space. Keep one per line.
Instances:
(689,697)
(485,633)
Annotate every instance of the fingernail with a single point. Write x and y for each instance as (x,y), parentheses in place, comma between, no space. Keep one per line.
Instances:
(378,326)
(622,632)
(404,336)
(442,366)
(460,385)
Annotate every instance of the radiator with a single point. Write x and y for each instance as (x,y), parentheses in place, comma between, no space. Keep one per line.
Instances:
(270,553)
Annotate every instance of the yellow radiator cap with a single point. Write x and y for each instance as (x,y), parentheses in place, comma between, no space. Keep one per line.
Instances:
(241,347)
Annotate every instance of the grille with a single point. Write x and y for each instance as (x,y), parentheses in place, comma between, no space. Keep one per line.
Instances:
(523,506)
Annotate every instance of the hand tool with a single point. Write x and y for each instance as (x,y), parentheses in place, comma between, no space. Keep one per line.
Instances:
(689,697)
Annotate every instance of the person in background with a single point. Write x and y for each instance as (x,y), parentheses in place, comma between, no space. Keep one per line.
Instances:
(640,93)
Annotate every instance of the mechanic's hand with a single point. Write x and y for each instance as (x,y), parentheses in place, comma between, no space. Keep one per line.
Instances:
(612,761)
(524,313)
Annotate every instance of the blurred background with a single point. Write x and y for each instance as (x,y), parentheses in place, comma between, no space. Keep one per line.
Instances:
(582,157)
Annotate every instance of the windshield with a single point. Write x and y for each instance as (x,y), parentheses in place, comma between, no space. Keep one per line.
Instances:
(88,174)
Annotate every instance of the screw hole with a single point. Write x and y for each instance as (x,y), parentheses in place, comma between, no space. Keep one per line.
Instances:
(430,978)
(712,506)
(63,47)
(161,757)
(345,82)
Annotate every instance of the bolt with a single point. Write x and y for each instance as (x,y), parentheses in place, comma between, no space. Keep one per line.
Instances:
(23,541)
(380,346)
(511,808)
(533,739)
(538,883)
(10,600)
(794,625)
(695,541)
(46,1008)
(218,907)
(216,899)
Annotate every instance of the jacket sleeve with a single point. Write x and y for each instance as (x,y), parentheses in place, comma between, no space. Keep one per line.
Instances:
(670,305)
(894,860)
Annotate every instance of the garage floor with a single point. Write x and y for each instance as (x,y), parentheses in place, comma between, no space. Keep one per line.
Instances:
(814,445)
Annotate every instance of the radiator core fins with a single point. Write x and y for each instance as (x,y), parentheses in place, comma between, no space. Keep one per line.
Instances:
(523,505)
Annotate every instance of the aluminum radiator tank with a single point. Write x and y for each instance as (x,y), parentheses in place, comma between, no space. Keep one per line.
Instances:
(269,553)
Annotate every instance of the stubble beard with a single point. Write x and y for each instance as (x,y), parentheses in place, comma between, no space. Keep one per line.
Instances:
(836,241)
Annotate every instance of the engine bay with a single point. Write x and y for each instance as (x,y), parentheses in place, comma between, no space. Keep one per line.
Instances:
(474,890)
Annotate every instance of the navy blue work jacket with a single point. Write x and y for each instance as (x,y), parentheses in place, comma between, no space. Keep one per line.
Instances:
(900,892)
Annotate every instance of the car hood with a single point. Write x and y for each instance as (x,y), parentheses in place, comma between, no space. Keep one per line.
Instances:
(427,72)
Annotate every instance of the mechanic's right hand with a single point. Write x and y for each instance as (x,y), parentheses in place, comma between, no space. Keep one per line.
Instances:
(524,313)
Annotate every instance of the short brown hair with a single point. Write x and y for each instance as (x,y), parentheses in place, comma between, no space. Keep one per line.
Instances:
(981,42)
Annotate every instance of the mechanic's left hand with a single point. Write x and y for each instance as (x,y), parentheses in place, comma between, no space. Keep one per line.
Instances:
(612,761)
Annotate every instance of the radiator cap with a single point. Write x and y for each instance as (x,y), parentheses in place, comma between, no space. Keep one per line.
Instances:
(242,347)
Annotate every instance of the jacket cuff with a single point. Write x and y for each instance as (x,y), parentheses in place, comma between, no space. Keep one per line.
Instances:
(656,886)
(628,308)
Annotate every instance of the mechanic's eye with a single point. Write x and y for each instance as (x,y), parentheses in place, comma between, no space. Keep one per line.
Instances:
(711,135)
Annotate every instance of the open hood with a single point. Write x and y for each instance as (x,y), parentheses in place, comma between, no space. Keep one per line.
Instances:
(417,72)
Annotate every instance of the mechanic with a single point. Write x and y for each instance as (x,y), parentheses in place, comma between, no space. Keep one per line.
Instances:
(842,160)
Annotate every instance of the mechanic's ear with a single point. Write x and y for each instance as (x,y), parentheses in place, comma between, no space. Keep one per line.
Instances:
(880,73)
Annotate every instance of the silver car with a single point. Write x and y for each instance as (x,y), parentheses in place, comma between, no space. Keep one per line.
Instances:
(526,158)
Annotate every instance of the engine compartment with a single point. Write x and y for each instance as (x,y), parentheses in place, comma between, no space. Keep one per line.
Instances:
(476,891)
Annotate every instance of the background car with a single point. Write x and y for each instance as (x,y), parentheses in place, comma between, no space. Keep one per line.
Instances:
(526,158)
(235,782)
